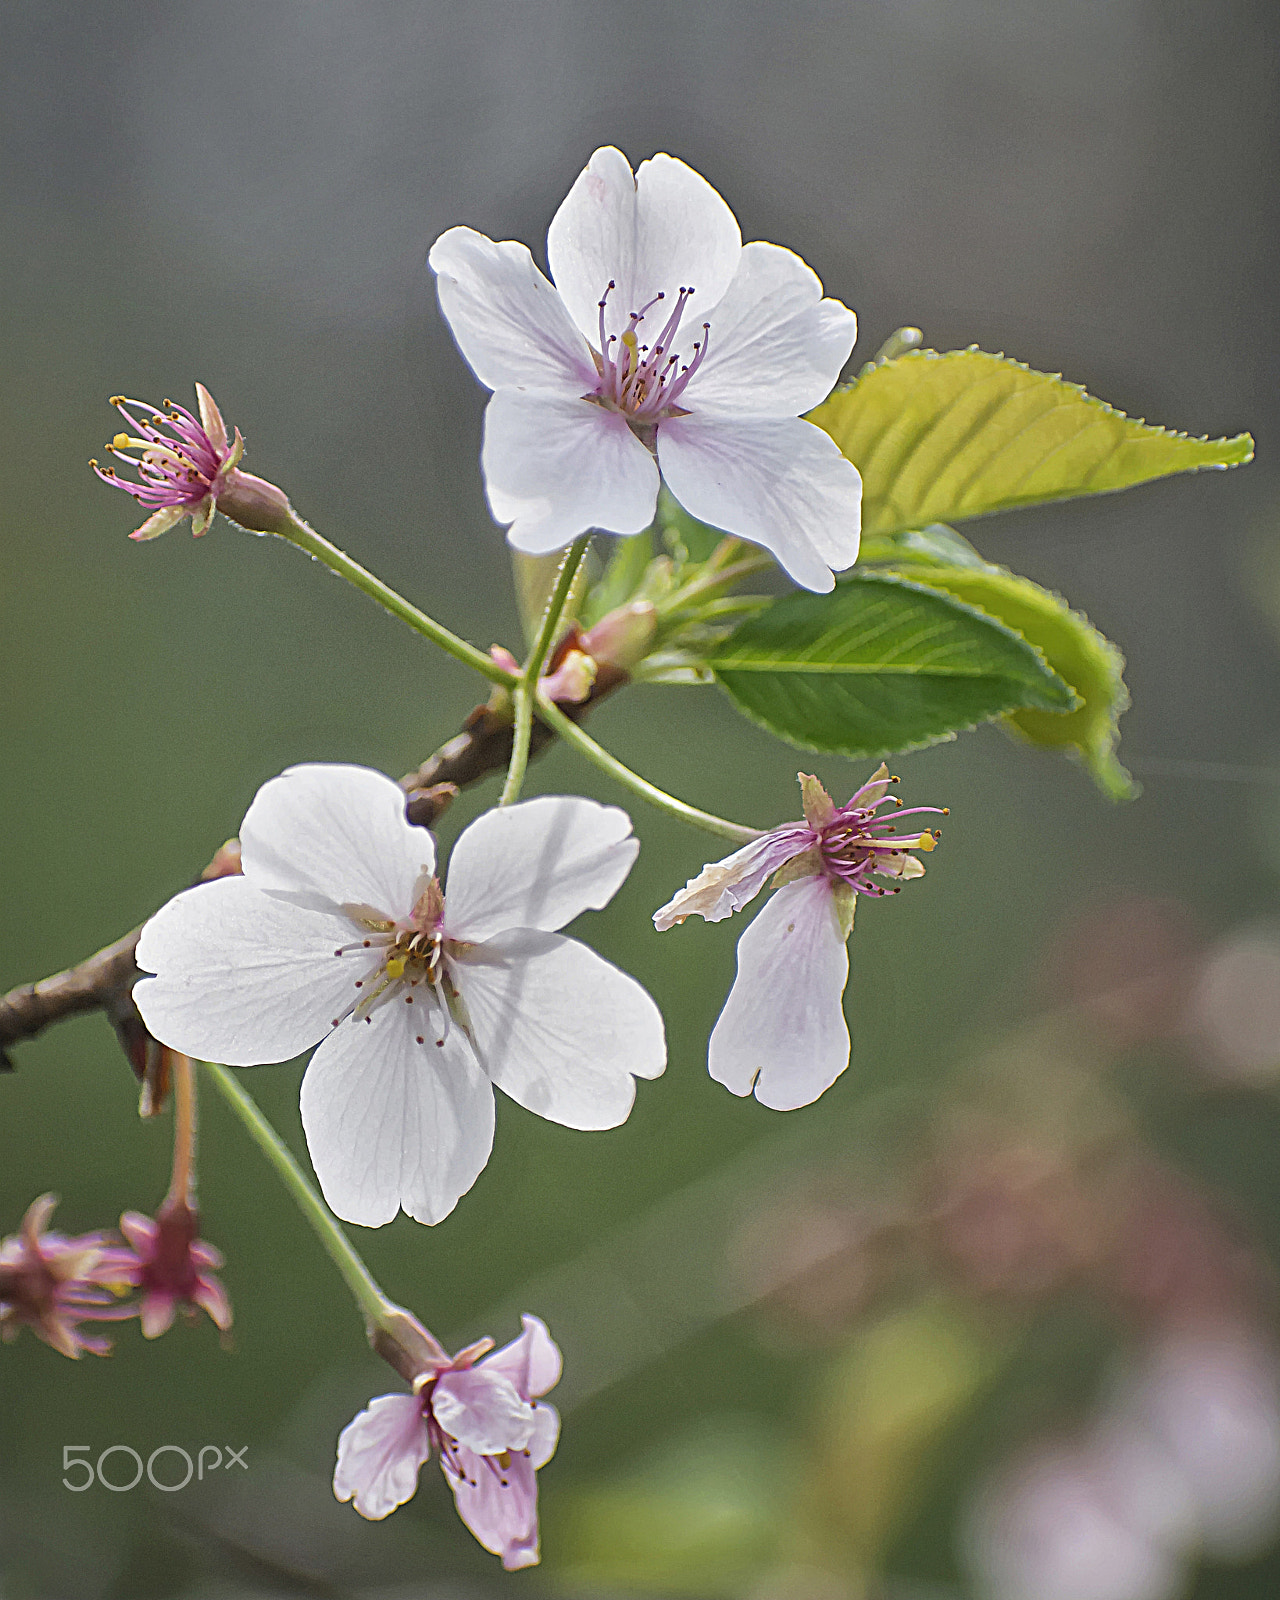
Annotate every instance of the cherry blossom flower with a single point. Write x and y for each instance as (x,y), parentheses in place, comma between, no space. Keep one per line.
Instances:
(338,932)
(170,1266)
(664,344)
(189,468)
(782,1033)
(52,1283)
(484,1419)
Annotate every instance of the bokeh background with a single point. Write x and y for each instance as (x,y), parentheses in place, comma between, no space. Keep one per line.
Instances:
(994,1318)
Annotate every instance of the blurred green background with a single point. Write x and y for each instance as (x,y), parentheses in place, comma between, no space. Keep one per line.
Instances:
(806,1355)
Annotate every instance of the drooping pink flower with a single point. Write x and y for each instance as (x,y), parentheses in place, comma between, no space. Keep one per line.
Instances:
(782,1032)
(487,1423)
(188,467)
(170,1266)
(52,1283)
(666,345)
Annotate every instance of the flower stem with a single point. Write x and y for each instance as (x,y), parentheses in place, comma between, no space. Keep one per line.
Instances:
(572,734)
(368,1296)
(306,538)
(182,1185)
(527,688)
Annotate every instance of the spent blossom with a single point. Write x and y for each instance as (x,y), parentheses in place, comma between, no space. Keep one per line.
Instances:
(782,1033)
(52,1283)
(170,1266)
(486,1422)
(666,345)
(189,467)
(339,934)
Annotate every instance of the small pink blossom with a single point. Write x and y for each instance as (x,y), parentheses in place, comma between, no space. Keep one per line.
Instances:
(782,1033)
(484,1419)
(170,1266)
(188,467)
(52,1283)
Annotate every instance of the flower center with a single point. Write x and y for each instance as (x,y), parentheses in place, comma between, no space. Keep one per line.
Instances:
(645,381)
(403,962)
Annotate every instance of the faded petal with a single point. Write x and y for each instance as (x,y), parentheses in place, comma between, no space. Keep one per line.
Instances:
(392,1123)
(511,325)
(499,1504)
(241,977)
(482,1410)
(211,419)
(664,229)
(782,484)
(532,1361)
(161,521)
(553,468)
(338,834)
(558,1028)
(538,864)
(379,1454)
(723,887)
(776,346)
(782,1032)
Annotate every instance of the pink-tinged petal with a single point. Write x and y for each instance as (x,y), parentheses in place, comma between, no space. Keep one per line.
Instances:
(212,1298)
(782,1032)
(499,1504)
(663,230)
(140,1231)
(553,468)
(776,346)
(559,1029)
(723,887)
(532,1362)
(156,1314)
(482,1410)
(510,324)
(538,864)
(241,977)
(391,1123)
(338,834)
(379,1454)
(211,419)
(160,522)
(782,484)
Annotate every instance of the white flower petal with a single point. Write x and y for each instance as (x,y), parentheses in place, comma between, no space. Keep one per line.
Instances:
(558,1028)
(536,865)
(392,1123)
(337,834)
(379,1453)
(482,1410)
(510,324)
(776,346)
(781,483)
(782,1031)
(664,229)
(723,887)
(532,1361)
(241,977)
(555,467)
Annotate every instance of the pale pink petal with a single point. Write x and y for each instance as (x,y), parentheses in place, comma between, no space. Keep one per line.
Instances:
(379,1454)
(776,346)
(510,324)
(782,1032)
(554,468)
(532,1361)
(241,977)
(499,1504)
(482,1410)
(157,1311)
(211,418)
(391,1123)
(546,1434)
(536,865)
(665,229)
(782,484)
(723,887)
(140,1231)
(338,834)
(558,1028)
(211,1297)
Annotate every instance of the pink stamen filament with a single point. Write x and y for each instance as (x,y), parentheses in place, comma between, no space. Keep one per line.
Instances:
(645,382)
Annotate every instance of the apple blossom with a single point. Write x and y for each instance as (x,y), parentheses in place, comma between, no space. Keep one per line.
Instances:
(782,1032)
(338,932)
(663,337)
(486,1422)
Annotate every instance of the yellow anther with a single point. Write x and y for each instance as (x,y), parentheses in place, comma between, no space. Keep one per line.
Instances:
(116,400)
(395,967)
(504,1460)
(123,441)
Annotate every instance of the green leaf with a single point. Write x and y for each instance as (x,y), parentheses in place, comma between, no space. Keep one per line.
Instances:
(623,575)
(934,546)
(880,665)
(938,438)
(1077,652)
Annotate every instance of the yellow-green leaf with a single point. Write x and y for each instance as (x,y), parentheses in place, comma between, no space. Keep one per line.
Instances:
(942,437)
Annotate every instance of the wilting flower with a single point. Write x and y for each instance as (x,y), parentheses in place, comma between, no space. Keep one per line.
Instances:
(338,931)
(486,1422)
(189,468)
(663,336)
(52,1283)
(782,1032)
(170,1266)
